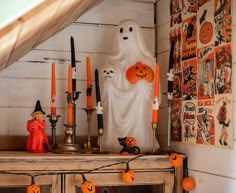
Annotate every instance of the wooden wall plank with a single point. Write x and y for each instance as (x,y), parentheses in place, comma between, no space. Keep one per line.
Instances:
(109,12)
(90,38)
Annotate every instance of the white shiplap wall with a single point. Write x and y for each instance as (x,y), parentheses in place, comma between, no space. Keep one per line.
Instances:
(27,80)
(214,169)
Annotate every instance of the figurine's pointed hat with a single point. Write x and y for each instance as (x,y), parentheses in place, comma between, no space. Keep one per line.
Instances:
(38,107)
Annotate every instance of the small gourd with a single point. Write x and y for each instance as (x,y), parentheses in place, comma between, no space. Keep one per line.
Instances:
(33,188)
(87,186)
(127,175)
(188,183)
(175,160)
(139,71)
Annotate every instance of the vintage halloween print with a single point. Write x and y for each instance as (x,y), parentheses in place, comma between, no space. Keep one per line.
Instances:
(176,133)
(223,21)
(189,86)
(202,110)
(206,73)
(189,43)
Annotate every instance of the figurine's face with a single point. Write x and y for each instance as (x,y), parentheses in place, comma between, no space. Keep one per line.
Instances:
(37,115)
(108,73)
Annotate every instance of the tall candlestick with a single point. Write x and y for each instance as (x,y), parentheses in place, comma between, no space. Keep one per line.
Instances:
(73,64)
(89,84)
(99,104)
(53,91)
(69,103)
(155,104)
(170,73)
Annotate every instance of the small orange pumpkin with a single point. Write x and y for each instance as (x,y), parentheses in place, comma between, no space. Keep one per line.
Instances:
(33,188)
(127,175)
(139,71)
(188,184)
(87,186)
(130,141)
(175,160)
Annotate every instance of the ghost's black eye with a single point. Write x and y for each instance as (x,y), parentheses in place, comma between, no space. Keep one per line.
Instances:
(130,29)
(121,30)
(111,71)
(104,71)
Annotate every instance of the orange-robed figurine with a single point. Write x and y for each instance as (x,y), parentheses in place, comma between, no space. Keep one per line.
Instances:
(37,140)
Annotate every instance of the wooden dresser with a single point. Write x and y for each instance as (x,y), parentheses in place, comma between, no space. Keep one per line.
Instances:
(63,171)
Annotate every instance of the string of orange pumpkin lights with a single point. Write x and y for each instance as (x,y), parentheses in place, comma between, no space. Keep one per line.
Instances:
(127,175)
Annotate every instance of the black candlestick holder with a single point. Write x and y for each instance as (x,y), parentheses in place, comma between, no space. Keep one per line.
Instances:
(88,147)
(53,119)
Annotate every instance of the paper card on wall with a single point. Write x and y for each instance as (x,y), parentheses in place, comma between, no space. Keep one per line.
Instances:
(176,133)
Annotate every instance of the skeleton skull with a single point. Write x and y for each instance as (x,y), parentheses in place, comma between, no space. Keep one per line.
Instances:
(108,73)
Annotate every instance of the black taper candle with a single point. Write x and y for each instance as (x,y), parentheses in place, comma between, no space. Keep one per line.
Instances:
(171,63)
(73,64)
(98,99)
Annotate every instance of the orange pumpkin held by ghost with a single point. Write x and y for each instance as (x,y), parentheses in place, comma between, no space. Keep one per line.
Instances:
(139,71)
(37,141)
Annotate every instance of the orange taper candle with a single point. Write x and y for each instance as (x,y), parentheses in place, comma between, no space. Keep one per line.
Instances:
(69,104)
(155,105)
(89,84)
(53,90)
(69,114)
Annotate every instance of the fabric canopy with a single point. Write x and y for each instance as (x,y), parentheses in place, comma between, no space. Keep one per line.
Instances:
(37,25)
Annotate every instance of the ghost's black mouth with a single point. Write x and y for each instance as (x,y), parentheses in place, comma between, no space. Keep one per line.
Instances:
(125,38)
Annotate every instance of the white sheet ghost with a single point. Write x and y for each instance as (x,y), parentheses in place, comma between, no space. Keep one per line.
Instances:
(127,107)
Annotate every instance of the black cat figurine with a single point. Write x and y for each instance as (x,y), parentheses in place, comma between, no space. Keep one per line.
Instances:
(128,144)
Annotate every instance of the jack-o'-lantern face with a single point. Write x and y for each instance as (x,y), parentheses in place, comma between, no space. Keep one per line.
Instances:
(87,187)
(206,33)
(175,160)
(139,71)
(130,141)
(33,188)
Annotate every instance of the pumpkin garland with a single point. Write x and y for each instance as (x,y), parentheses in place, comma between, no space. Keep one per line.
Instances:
(33,188)
(188,183)
(127,175)
(175,160)
(87,186)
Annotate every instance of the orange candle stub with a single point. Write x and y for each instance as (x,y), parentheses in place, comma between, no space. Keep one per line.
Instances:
(89,84)
(70,79)
(53,90)
(155,104)
(70,114)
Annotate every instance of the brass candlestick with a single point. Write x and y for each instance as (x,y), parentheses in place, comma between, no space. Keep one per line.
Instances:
(89,112)
(68,146)
(154,129)
(53,120)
